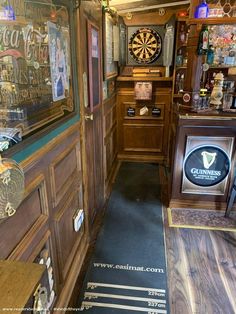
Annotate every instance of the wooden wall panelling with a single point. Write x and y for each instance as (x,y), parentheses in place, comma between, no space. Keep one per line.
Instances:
(110,142)
(143,138)
(33,226)
(98,160)
(67,238)
(43,253)
(92,130)
(150,18)
(18,232)
(64,172)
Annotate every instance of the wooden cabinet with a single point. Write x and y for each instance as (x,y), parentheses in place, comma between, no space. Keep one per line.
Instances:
(195,131)
(143,137)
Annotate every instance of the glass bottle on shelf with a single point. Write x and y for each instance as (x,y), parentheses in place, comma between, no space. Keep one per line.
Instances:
(181,83)
(185,59)
(182,34)
(177,83)
(202,10)
(203,41)
(179,58)
(210,55)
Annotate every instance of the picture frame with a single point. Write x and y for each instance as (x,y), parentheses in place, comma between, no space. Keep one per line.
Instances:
(37,75)
(94,67)
(110,67)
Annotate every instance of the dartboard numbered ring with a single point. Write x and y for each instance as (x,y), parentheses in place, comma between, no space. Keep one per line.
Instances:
(145,45)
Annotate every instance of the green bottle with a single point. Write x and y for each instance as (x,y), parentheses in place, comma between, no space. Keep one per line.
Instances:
(210,55)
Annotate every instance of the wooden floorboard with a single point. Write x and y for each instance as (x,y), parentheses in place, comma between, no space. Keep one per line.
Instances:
(201,271)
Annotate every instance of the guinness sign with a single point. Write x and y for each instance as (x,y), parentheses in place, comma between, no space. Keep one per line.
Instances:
(206,166)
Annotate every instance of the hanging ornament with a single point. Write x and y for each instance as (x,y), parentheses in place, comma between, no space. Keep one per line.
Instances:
(11,187)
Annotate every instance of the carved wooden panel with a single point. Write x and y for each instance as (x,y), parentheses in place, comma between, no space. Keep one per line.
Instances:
(143,138)
(66,236)
(64,173)
(23,225)
(98,169)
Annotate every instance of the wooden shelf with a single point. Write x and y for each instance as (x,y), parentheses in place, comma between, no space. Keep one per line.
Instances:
(182,19)
(17,21)
(143,78)
(177,95)
(181,67)
(211,20)
(221,66)
(144,117)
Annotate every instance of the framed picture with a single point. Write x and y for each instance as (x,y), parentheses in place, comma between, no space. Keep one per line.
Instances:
(36,73)
(143,90)
(58,55)
(94,65)
(110,68)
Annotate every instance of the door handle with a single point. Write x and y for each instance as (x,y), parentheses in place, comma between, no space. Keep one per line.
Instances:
(88,117)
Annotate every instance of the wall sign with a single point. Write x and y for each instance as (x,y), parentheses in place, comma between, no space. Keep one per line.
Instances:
(94,65)
(143,90)
(206,164)
(156,112)
(110,68)
(131,112)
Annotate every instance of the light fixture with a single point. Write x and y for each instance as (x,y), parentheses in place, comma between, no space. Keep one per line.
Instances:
(129,16)
(162,11)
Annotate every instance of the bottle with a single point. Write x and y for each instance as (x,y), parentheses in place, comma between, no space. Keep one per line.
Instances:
(203,41)
(179,58)
(202,10)
(182,34)
(185,59)
(177,83)
(210,55)
(181,83)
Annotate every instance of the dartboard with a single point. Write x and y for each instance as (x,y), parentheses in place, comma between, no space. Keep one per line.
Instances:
(145,45)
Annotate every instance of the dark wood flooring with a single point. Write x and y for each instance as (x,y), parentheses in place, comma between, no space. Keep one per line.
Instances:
(201,271)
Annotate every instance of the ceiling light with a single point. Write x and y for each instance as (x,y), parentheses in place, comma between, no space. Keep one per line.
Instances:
(129,16)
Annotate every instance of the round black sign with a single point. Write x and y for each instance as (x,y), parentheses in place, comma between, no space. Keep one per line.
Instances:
(206,165)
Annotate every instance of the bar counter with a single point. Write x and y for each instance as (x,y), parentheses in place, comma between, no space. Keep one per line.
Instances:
(203,165)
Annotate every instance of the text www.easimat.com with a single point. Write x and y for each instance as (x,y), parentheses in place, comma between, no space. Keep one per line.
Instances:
(129,267)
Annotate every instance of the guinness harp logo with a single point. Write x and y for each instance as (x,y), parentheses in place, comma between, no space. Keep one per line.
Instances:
(206,165)
(208,159)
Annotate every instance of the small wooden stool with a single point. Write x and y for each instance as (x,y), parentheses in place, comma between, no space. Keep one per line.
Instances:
(231,199)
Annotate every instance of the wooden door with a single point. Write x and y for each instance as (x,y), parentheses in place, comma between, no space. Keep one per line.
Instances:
(91,107)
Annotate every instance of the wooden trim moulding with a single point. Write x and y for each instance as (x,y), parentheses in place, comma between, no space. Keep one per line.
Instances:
(30,238)
(36,156)
(64,297)
(57,196)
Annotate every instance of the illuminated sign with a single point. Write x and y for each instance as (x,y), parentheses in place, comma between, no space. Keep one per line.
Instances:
(206,166)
